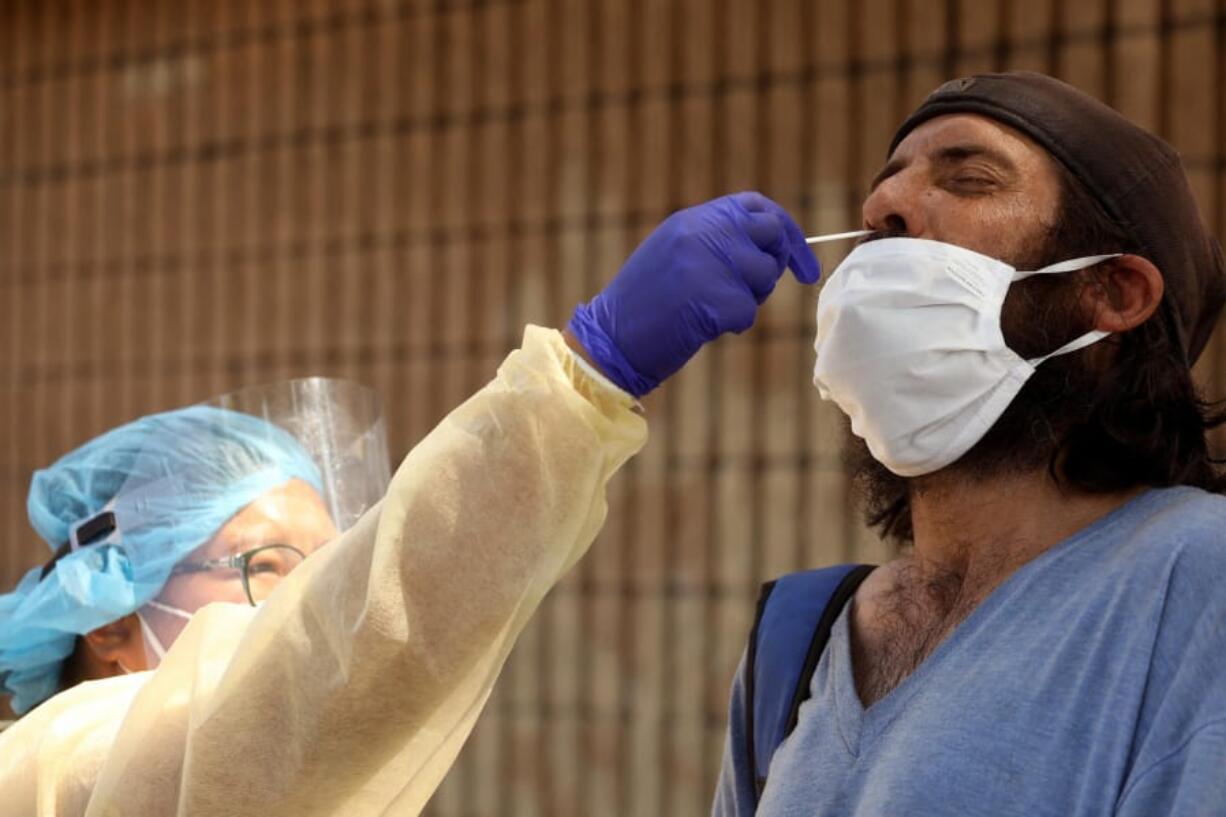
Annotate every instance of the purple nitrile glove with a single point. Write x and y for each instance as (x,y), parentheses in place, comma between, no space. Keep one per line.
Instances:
(701,273)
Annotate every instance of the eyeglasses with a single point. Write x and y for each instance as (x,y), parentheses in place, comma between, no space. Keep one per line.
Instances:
(262,568)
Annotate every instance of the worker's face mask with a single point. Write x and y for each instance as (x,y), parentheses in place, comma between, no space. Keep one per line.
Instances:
(909,346)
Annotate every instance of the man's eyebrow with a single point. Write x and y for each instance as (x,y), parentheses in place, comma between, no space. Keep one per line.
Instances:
(951,155)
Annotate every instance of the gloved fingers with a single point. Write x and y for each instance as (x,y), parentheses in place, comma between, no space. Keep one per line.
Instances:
(766,231)
(799,257)
(736,315)
(759,270)
(755,202)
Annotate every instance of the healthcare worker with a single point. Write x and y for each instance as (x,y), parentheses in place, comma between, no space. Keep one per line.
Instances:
(156,518)
(159,517)
(350,689)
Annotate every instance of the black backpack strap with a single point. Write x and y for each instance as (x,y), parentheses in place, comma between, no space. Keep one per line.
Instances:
(791,628)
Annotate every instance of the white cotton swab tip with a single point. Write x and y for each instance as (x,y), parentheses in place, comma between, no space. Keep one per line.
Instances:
(822,239)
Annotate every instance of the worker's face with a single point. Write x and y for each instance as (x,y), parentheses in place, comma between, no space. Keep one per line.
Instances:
(292,514)
(967,180)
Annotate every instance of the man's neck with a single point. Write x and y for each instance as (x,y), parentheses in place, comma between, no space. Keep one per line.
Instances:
(970,535)
(984,529)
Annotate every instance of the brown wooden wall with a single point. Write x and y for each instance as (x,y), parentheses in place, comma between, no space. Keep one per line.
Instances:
(197,195)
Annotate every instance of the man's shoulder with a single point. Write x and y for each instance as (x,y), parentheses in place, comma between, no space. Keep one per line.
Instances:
(1190,513)
(1172,548)
(1183,521)
(1169,543)
(1176,589)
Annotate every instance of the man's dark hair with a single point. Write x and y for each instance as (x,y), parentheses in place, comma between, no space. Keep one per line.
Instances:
(1137,420)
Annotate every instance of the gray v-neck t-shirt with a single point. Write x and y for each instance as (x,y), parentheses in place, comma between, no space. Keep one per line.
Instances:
(1091,682)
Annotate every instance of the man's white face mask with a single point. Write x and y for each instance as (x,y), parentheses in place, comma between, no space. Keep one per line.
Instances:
(909,346)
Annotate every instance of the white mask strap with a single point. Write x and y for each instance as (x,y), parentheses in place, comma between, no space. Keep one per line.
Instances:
(1082,342)
(166,608)
(154,642)
(1072,265)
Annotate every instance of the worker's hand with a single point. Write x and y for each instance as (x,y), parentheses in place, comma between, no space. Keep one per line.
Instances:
(701,273)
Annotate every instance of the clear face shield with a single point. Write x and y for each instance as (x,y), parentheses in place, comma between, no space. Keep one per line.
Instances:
(311,459)
(340,424)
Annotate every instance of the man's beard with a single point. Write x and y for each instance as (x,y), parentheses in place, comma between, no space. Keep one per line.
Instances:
(1040,315)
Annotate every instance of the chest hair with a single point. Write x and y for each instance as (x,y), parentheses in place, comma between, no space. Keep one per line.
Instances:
(897,625)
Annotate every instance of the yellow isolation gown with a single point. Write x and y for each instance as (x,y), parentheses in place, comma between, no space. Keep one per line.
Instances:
(352,689)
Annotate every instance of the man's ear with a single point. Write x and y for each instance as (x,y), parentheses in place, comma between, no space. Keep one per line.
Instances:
(118,644)
(1123,293)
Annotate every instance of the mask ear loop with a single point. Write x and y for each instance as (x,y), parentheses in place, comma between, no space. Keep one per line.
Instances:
(154,642)
(1088,339)
(1072,265)
(166,608)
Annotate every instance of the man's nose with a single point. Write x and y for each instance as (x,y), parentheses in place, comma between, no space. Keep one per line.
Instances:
(895,205)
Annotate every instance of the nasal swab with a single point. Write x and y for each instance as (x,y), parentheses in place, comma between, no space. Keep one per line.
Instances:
(821,239)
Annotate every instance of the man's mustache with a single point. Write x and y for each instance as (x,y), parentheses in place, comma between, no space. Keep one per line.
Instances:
(877,235)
